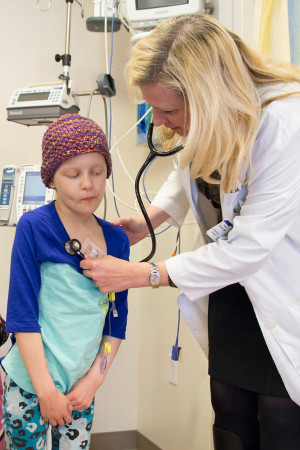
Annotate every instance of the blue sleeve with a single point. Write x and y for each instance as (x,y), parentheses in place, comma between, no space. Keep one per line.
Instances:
(25,281)
(117,325)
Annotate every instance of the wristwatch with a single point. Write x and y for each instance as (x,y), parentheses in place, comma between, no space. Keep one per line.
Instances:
(154,276)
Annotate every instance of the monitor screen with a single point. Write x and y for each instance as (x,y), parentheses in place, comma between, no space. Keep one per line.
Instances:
(146,14)
(146,4)
(33,96)
(35,190)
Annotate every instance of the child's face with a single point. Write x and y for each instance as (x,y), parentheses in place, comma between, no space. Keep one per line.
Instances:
(80,183)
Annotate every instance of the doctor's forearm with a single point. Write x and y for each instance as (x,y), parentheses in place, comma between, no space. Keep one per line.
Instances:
(157,215)
(115,275)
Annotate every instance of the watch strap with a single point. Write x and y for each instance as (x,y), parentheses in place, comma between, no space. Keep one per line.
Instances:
(171,284)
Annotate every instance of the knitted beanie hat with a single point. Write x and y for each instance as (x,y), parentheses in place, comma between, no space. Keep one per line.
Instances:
(68,136)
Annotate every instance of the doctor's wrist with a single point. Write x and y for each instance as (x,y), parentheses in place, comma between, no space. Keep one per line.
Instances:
(143,273)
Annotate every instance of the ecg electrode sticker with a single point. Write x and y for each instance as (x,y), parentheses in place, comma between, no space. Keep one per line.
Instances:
(96,252)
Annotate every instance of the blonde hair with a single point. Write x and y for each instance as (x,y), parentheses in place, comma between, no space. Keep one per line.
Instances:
(218,76)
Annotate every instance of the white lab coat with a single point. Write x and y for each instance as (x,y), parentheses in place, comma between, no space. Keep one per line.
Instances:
(262,251)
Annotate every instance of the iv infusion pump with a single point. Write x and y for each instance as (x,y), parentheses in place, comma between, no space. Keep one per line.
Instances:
(40,104)
(22,190)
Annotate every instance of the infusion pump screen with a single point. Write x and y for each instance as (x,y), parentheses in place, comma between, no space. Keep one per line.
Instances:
(33,96)
(35,190)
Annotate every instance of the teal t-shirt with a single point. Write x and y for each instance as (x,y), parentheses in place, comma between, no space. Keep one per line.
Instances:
(72,313)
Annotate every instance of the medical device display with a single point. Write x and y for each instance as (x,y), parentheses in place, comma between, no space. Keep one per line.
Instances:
(8,182)
(31,192)
(22,190)
(146,14)
(40,104)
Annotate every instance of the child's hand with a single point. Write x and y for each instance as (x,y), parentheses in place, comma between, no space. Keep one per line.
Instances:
(56,408)
(81,394)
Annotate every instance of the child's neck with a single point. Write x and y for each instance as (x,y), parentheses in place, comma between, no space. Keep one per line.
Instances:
(78,230)
(82,227)
(70,218)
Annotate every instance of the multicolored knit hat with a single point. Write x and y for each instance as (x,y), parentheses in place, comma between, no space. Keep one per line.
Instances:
(71,135)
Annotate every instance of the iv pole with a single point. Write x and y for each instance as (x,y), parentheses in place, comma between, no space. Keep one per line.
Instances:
(66,57)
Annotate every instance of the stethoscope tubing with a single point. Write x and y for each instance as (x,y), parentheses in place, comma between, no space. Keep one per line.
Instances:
(73,246)
(152,155)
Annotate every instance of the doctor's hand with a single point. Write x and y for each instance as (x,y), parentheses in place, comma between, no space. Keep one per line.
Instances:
(135,228)
(111,274)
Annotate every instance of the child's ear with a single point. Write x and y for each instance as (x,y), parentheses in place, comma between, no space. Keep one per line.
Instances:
(51,184)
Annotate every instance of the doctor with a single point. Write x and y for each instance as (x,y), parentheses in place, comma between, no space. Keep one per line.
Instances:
(238,116)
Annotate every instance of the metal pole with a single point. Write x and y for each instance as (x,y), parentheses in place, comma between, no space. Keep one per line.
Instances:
(68,32)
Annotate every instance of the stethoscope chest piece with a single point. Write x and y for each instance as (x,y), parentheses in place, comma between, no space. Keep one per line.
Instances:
(73,246)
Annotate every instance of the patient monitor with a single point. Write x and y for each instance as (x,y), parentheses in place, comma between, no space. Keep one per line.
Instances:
(22,190)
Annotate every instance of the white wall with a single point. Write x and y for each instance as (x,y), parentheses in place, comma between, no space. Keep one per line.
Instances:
(137,393)
(237,16)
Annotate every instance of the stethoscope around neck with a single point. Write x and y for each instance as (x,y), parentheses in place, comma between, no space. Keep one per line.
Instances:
(152,155)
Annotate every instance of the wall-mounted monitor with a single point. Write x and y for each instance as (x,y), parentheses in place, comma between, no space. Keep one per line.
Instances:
(146,14)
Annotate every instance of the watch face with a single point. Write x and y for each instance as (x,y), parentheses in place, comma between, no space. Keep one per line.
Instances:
(154,276)
(155,279)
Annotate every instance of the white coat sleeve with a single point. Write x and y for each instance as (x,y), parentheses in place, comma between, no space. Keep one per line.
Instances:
(271,208)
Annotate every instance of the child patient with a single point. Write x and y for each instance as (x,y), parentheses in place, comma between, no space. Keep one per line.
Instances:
(66,335)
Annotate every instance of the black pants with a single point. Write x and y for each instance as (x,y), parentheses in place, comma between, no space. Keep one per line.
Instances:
(261,421)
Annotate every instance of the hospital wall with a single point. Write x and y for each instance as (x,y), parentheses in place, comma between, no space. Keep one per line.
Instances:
(137,394)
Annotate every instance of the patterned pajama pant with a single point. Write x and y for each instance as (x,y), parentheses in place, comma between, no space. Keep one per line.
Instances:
(26,429)
(1,426)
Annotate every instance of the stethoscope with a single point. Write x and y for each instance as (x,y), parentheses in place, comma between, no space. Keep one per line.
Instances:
(152,155)
(73,247)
